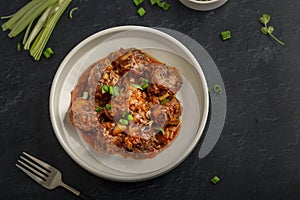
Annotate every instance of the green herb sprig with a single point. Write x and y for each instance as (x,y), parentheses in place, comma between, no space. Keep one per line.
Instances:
(265,19)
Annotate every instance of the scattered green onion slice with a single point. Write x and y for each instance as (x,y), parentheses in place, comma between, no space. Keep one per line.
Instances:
(111,89)
(48,52)
(141,11)
(226,35)
(98,109)
(137,2)
(164,5)
(218,89)
(71,12)
(104,89)
(164,101)
(108,106)
(141,87)
(19,47)
(137,86)
(154,2)
(160,129)
(123,121)
(144,86)
(130,117)
(215,180)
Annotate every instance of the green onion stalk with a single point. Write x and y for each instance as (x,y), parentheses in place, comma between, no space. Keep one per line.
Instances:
(43,14)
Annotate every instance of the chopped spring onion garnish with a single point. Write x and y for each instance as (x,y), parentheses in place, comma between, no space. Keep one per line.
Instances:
(104,89)
(144,86)
(44,14)
(71,12)
(160,129)
(108,106)
(164,101)
(141,87)
(141,11)
(48,52)
(226,35)
(218,89)
(18,47)
(85,95)
(98,109)
(123,121)
(136,86)
(164,5)
(111,89)
(215,180)
(130,117)
(137,2)
(154,2)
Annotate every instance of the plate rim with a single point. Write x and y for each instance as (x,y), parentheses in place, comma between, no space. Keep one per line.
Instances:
(110,176)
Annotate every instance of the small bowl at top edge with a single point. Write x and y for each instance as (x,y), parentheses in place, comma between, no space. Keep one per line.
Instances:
(203,5)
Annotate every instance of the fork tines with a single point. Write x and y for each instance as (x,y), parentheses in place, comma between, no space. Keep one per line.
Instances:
(33,167)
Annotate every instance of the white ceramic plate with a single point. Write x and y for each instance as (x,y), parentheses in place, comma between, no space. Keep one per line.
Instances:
(193,96)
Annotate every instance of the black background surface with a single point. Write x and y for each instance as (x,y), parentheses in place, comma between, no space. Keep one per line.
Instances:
(258,153)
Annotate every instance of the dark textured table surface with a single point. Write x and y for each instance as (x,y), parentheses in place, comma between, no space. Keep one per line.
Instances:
(258,153)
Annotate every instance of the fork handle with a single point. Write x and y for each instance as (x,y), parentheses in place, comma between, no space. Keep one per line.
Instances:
(73,190)
(85,196)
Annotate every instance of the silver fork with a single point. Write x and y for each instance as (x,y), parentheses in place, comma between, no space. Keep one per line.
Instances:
(45,174)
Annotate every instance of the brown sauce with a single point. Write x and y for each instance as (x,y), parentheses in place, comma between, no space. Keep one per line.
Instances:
(131,108)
